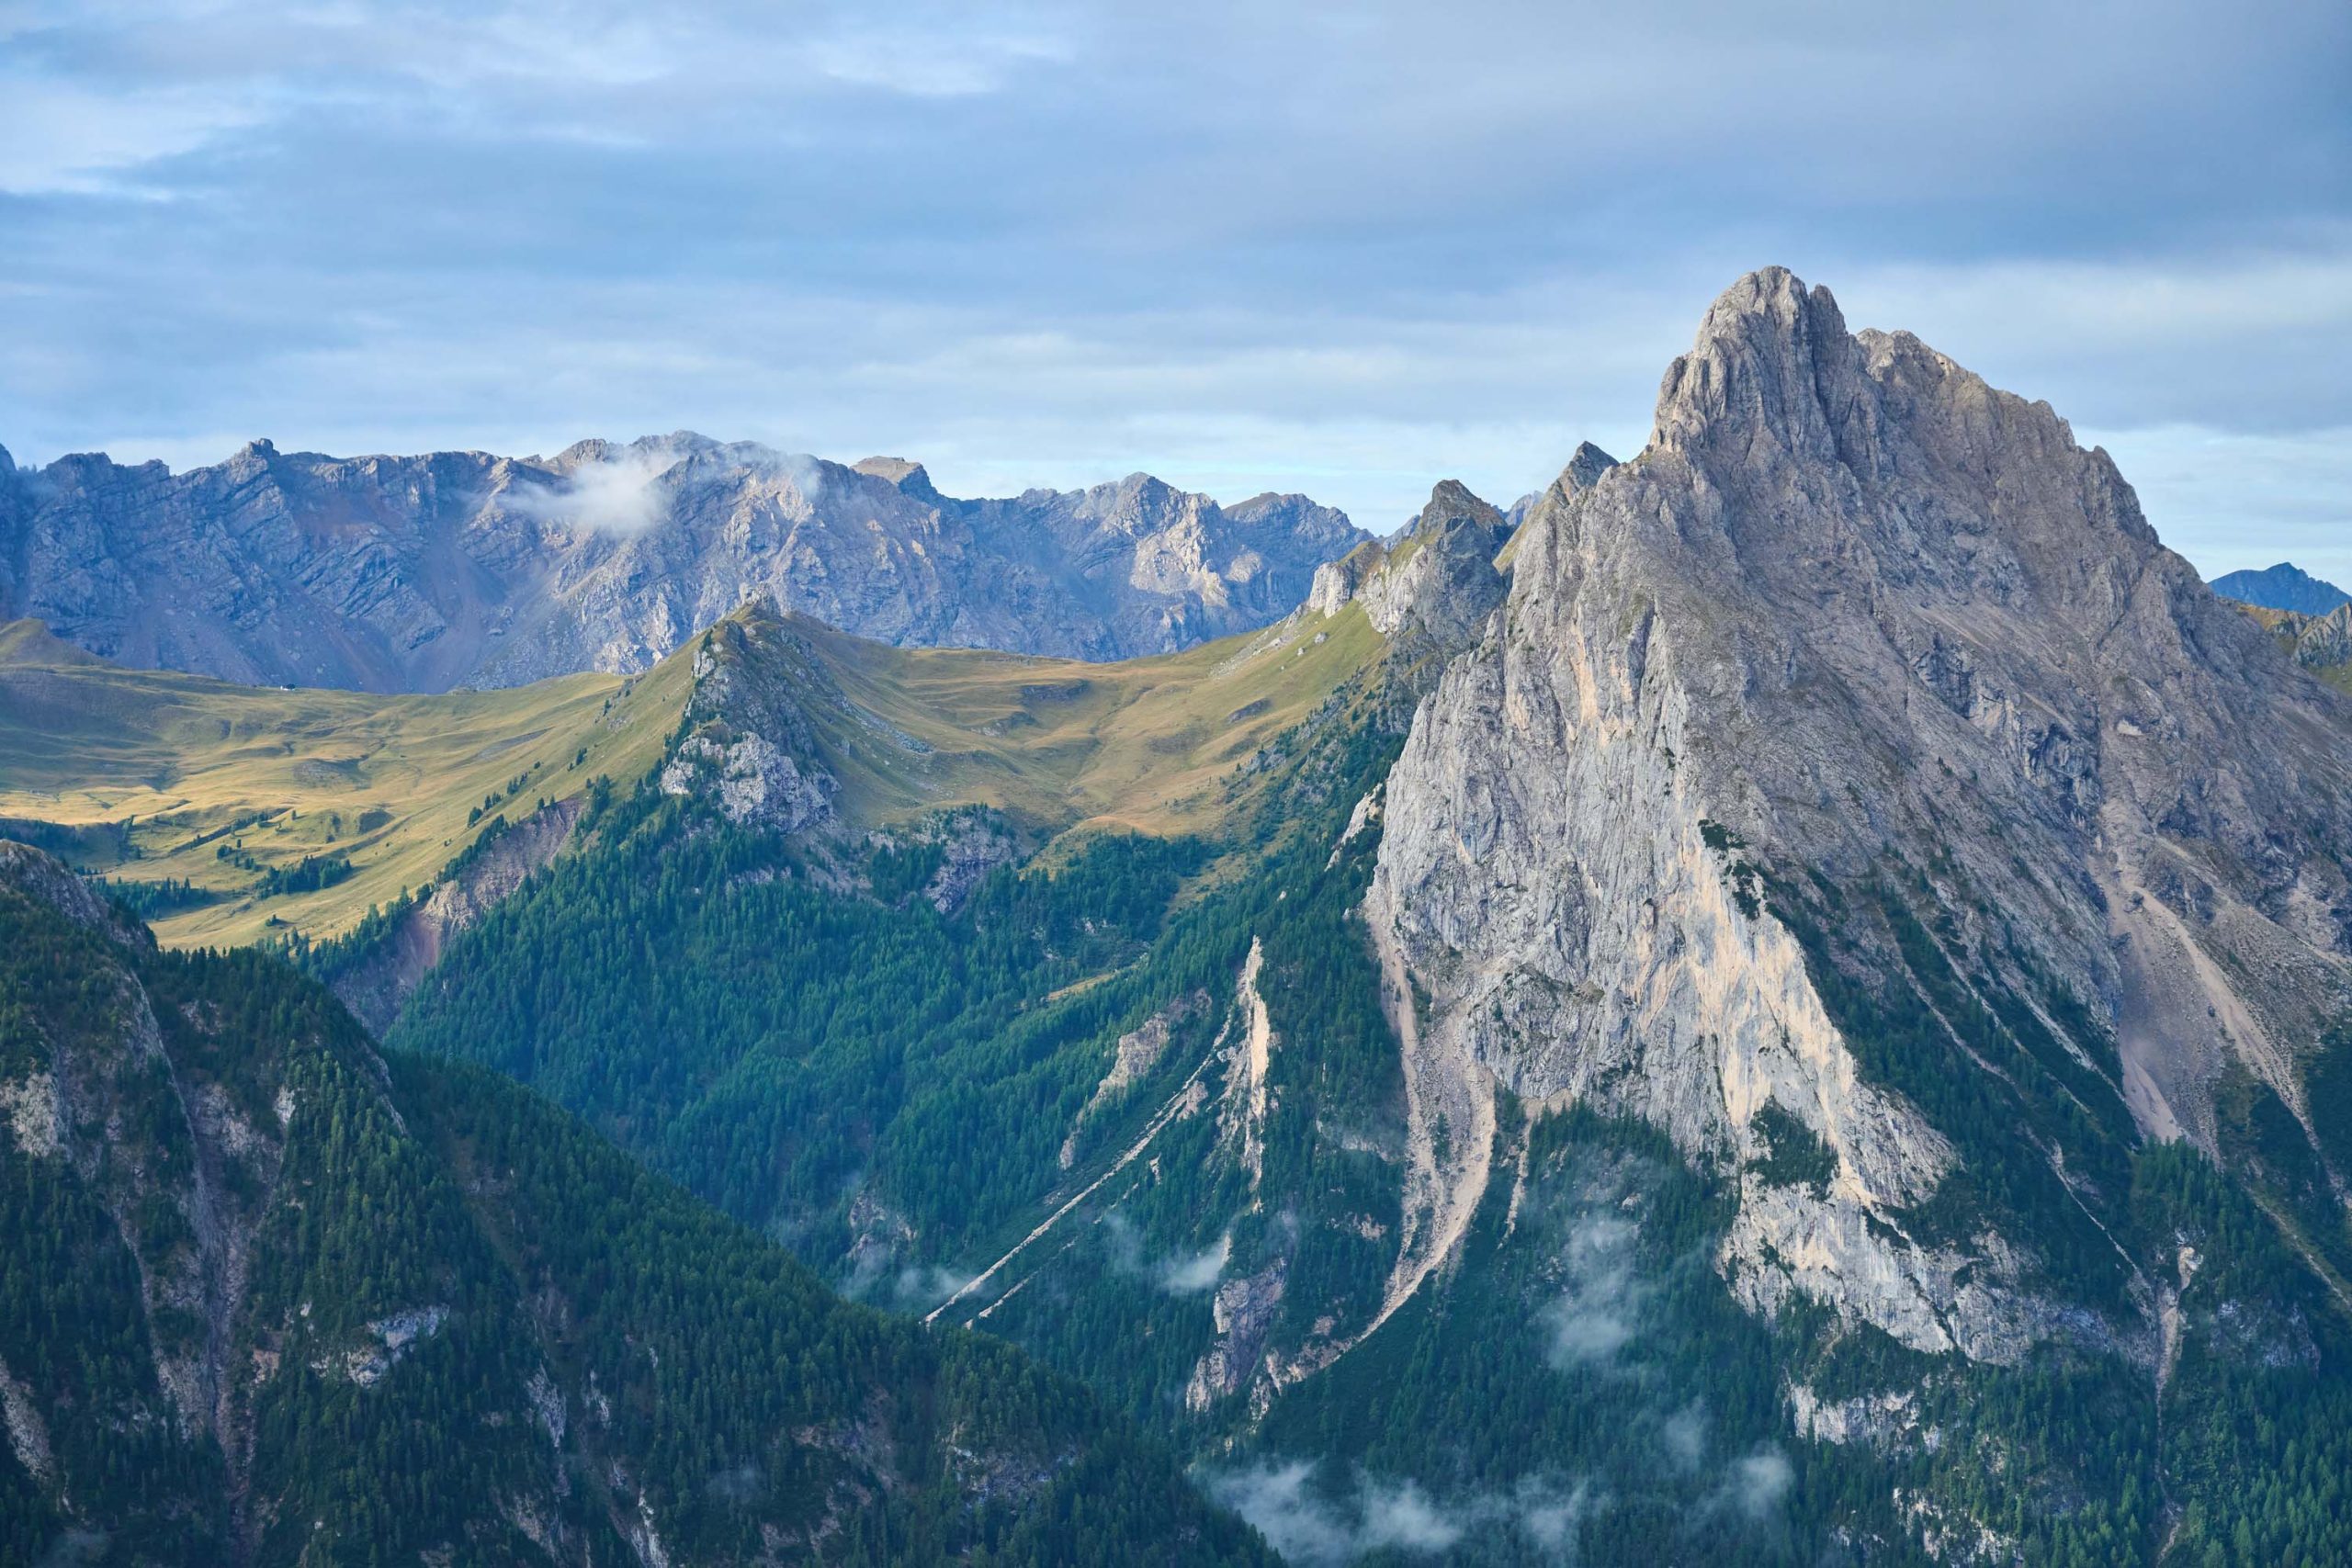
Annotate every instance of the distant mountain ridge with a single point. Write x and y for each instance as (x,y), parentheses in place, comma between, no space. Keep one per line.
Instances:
(2282,586)
(448,568)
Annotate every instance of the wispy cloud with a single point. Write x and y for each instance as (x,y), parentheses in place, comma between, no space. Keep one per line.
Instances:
(1598,1311)
(1757,1481)
(623,493)
(63,137)
(1317,1525)
(1180,1274)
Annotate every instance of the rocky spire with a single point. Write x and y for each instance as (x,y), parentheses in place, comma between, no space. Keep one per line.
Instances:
(1856,610)
(1585,467)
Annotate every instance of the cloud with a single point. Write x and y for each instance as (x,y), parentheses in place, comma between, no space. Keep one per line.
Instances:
(63,137)
(919,1288)
(1757,1481)
(1312,1524)
(1182,1274)
(1684,1435)
(929,64)
(1600,1312)
(623,493)
(1185,1276)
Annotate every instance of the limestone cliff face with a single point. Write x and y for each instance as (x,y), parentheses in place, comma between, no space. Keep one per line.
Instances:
(2319,643)
(1854,618)
(461,568)
(1440,583)
(1433,588)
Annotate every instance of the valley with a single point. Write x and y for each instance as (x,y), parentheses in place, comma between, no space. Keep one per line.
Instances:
(1790,1003)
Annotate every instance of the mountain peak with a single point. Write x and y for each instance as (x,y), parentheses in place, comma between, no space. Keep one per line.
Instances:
(1586,465)
(1758,365)
(2282,586)
(904,472)
(898,470)
(1452,499)
(418,573)
(1860,610)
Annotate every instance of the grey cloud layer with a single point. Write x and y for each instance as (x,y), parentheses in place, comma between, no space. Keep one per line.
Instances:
(1246,247)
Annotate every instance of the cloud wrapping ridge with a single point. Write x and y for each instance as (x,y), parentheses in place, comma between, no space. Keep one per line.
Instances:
(624,493)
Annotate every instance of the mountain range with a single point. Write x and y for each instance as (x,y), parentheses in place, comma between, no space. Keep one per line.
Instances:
(422,573)
(1788,999)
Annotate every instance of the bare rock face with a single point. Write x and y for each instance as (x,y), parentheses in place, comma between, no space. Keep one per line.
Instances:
(375,987)
(2328,640)
(1586,465)
(1864,676)
(748,746)
(1431,588)
(1441,583)
(2318,642)
(464,568)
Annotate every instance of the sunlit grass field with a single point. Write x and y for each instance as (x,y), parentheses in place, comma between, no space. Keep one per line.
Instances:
(175,777)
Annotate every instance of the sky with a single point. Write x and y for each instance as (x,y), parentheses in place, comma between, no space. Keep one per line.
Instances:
(1342,250)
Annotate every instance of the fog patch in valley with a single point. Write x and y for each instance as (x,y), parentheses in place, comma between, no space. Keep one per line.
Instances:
(1307,1524)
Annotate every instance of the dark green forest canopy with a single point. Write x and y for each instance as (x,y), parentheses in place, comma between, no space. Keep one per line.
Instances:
(404,1309)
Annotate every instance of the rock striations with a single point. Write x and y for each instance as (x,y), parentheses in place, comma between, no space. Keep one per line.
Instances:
(1861,678)
(463,569)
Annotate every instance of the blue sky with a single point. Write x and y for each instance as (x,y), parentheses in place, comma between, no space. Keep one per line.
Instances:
(1342,250)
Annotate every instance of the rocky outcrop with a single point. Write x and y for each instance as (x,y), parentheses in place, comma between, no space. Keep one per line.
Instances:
(1855,618)
(1433,588)
(2317,642)
(464,568)
(1586,465)
(1138,1052)
(2326,642)
(376,984)
(1338,581)
(1243,1312)
(1438,585)
(747,745)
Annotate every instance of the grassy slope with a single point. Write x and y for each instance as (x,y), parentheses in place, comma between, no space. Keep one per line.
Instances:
(84,741)
(2336,675)
(1144,745)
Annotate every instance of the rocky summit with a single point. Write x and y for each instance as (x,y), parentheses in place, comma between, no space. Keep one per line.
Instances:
(1861,694)
(422,573)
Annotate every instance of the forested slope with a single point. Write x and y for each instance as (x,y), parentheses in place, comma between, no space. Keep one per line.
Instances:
(270,1299)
